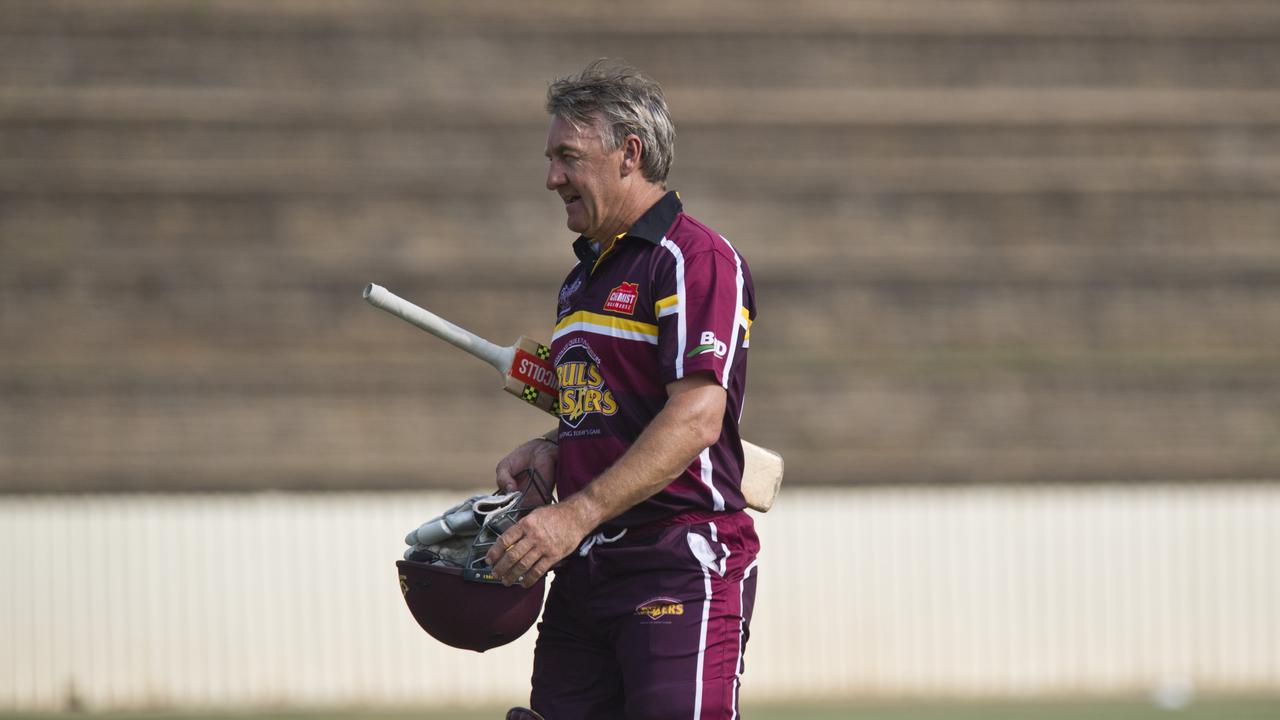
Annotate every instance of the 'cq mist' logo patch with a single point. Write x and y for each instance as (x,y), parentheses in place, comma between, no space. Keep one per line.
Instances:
(622,299)
(582,387)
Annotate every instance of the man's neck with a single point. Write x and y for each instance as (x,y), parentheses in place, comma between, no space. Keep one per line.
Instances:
(634,208)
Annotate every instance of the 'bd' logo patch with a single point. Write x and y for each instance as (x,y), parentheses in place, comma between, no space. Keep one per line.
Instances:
(622,299)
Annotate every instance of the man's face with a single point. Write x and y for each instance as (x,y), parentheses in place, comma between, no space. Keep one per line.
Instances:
(587,177)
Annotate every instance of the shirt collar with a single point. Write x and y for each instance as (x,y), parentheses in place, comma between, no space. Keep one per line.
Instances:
(651,227)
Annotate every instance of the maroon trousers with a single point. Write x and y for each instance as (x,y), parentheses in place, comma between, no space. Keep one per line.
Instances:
(652,625)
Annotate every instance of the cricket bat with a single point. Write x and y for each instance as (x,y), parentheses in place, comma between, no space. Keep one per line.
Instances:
(529,373)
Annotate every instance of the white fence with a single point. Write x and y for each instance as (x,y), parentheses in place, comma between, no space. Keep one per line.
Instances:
(273,599)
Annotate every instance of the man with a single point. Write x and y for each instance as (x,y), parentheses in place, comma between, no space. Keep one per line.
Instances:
(648,614)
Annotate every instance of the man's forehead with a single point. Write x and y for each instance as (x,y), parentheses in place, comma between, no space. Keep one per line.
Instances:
(566,135)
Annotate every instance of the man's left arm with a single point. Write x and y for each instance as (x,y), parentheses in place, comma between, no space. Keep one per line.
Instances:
(690,422)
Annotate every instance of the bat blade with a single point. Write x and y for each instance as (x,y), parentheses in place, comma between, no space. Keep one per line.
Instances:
(529,374)
(761,476)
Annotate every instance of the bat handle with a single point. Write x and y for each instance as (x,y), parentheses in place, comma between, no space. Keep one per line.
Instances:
(499,357)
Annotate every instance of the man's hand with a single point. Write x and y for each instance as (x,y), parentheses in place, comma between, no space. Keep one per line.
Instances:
(526,551)
(540,454)
(688,423)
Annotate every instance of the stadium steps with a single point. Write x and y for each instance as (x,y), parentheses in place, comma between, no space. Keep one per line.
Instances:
(994,241)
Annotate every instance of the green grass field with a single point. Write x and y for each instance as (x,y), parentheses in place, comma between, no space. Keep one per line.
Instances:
(1235,708)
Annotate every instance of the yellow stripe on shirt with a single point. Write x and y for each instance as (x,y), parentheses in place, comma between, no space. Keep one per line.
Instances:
(616,327)
(665,306)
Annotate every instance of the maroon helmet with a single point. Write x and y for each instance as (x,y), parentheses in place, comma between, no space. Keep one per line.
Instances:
(468,614)
(450,588)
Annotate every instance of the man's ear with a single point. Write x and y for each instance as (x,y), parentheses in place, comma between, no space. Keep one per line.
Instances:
(632,151)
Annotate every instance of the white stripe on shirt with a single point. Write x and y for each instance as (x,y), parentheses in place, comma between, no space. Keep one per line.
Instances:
(737,315)
(682,331)
(704,461)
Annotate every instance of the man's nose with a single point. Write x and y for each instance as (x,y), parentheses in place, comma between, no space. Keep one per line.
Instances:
(555,176)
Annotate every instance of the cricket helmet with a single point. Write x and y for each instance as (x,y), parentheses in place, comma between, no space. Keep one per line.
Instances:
(450,588)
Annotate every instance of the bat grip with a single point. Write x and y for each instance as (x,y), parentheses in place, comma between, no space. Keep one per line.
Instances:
(499,357)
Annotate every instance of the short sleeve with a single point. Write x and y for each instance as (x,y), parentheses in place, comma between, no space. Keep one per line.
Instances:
(701,323)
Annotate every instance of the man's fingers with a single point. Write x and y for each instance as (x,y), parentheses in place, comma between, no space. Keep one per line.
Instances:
(515,564)
(514,556)
(516,571)
(506,483)
(525,572)
(541,568)
(505,541)
(542,485)
(505,471)
(529,549)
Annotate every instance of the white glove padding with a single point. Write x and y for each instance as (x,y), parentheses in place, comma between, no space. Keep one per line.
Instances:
(464,519)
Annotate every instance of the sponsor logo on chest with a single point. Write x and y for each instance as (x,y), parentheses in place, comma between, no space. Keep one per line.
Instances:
(622,299)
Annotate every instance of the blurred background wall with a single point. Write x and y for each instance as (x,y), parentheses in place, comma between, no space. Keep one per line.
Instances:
(251,600)
(994,241)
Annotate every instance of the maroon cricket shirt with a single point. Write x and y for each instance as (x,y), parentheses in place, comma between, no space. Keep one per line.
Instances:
(671,298)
